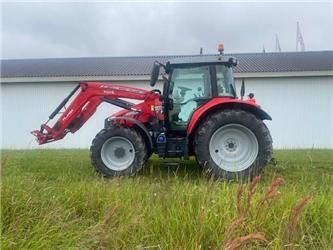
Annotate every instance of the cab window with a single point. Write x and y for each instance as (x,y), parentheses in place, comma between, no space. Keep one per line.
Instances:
(225,79)
(188,87)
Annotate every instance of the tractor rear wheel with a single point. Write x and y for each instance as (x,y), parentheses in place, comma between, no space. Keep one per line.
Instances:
(118,151)
(232,144)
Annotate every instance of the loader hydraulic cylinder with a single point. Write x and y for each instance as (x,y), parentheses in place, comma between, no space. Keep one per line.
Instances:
(63,103)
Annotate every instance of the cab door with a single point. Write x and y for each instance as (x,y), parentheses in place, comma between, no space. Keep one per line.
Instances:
(189,88)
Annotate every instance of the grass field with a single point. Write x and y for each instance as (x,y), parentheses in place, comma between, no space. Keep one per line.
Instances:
(52,199)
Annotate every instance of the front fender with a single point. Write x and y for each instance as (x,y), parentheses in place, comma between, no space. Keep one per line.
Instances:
(140,126)
(224,103)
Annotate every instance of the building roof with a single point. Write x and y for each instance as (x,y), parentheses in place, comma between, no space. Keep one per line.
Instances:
(136,66)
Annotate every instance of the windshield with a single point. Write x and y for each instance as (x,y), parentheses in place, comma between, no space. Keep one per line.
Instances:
(225,79)
(190,83)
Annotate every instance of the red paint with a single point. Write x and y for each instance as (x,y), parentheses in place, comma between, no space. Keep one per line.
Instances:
(211,104)
(89,98)
(85,103)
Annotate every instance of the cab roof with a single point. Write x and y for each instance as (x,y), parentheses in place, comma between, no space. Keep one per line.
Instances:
(200,60)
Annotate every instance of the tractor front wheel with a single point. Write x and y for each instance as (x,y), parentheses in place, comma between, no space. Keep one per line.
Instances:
(118,151)
(233,144)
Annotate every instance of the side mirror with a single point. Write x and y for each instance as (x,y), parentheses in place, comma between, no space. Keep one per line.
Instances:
(233,61)
(154,74)
(242,92)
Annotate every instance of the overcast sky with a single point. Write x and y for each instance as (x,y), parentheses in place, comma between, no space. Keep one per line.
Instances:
(43,30)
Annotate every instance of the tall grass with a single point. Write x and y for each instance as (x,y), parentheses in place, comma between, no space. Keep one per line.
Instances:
(54,199)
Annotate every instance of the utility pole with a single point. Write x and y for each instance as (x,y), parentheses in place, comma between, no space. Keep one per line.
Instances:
(299,39)
(277,44)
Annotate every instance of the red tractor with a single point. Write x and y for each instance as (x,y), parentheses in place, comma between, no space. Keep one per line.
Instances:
(198,114)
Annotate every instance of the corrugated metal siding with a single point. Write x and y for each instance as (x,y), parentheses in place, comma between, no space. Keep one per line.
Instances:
(301,107)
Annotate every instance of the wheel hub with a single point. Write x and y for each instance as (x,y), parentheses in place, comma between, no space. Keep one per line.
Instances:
(119,152)
(230,145)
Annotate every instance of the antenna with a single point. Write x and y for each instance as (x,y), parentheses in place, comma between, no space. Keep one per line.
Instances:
(299,39)
(277,44)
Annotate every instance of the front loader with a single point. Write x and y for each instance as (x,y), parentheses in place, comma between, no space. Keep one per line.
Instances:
(198,114)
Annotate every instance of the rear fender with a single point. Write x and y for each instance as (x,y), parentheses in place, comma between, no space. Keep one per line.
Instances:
(140,127)
(224,103)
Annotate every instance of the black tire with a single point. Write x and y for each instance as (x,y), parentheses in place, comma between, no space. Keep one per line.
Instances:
(149,155)
(129,134)
(221,118)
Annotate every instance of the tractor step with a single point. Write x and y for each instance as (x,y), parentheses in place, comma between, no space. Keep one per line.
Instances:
(173,147)
(170,163)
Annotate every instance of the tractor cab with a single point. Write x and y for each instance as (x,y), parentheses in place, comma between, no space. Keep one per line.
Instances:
(192,82)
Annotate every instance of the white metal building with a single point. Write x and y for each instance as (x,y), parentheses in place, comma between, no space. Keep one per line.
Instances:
(295,88)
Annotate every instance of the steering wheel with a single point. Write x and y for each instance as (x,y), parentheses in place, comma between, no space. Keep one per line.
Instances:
(189,100)
(183,90)
(157,90)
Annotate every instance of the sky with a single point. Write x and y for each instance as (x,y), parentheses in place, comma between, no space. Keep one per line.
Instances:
(104,29)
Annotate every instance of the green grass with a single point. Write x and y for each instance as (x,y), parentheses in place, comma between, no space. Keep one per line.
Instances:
(52,199)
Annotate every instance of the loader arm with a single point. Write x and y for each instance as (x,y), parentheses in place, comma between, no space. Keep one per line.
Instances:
(84,105)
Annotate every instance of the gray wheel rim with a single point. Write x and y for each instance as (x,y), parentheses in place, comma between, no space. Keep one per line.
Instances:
(117,153)
(233,147)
